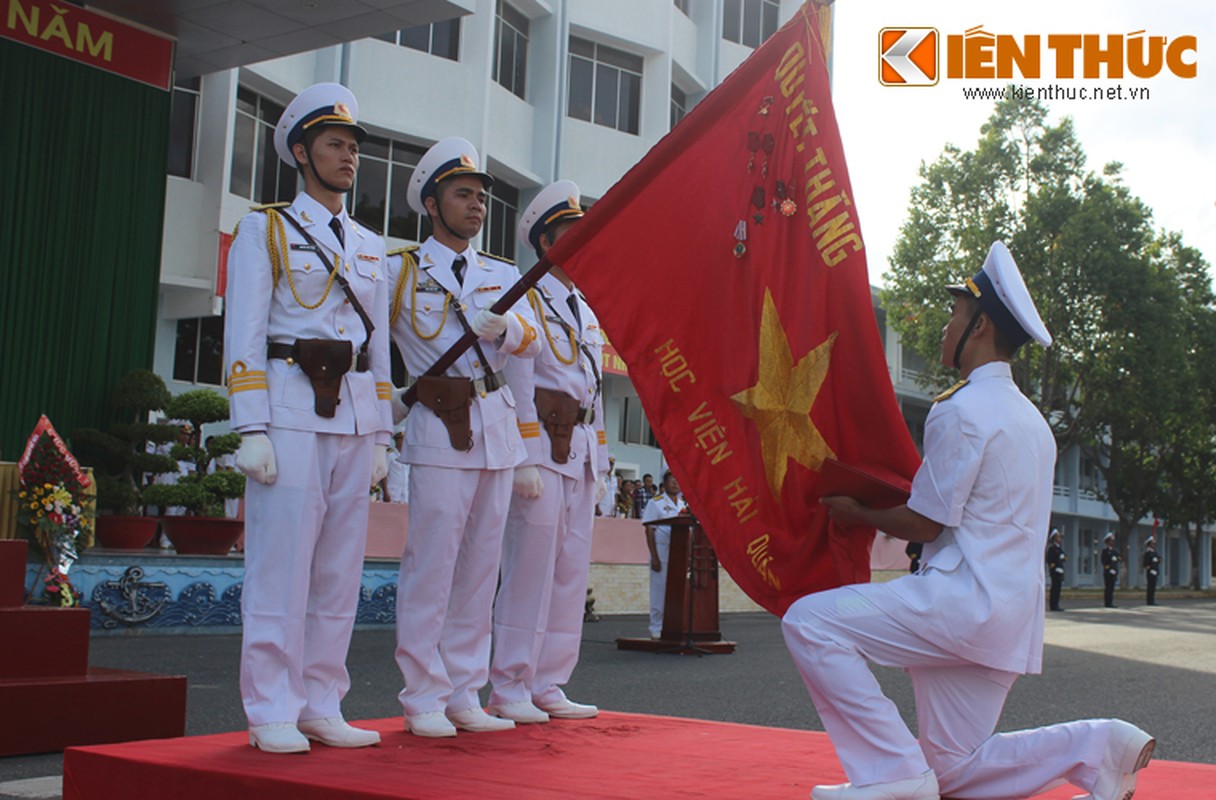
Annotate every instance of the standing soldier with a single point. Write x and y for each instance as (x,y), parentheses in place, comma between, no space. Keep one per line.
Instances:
(1152,564)
(538,617)
(1110,570)
(461,440)
(664,505)
(307,346)
(1055,567)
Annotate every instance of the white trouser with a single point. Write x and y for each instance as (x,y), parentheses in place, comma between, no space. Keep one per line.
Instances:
(305,535)
(658,580)
(832,635)
(445,590)
(538,617)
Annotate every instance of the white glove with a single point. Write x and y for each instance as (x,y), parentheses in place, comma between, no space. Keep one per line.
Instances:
(255,458)
(488,325)
(527,483)
(601,488)
(400,409)
(379,463)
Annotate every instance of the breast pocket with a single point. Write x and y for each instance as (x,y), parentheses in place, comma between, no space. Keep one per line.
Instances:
(368,271)
(306,277)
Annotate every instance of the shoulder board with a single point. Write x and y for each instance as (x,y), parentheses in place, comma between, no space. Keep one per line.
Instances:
(946,395)
(267,206)
(411,251)
(495,257)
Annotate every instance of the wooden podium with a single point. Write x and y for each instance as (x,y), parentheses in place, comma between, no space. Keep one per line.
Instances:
(690,607)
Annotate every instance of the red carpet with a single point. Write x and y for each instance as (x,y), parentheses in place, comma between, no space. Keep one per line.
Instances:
(626,756)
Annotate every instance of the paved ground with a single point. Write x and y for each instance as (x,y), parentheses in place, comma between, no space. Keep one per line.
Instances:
(1152,666)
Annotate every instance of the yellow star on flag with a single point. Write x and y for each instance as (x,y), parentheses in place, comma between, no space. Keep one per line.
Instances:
(780,402)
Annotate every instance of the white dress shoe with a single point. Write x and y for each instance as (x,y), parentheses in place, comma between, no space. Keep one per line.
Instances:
(1127,752)
(922,787)
(335,732)
(522,712)
(568,709)
(476,720)
(278,737)
(432,725)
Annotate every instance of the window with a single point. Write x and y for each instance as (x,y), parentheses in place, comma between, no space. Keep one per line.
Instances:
(501,219)
(183,127)
(605,85)
(635,428)
(914,364)
(749,22)
(439,38)
(511,49)
(199,355)
(683,6)
(1089,483)
(679,104)
(257,173)
(1087,547)
(378,195)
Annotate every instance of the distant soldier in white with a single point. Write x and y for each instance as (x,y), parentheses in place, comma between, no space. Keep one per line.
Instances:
(306,338)
(606,507)
(538,617)
(664,505)
(461,440)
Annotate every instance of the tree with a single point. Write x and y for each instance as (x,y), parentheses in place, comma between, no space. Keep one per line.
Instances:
(1187,492)
(1107,285)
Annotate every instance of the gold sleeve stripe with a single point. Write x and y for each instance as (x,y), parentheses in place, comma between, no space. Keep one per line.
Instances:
(384,392)
(529,336)
(529,430)
(247,387)
(601,437)
(252,376)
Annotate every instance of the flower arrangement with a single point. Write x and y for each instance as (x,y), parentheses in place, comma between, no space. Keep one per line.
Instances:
(53,508)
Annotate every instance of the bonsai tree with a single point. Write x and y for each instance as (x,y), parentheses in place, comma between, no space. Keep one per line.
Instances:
(127,451)
(201,492)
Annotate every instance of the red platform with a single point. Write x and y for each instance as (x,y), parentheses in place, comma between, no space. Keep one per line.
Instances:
(50,698)
(620,756)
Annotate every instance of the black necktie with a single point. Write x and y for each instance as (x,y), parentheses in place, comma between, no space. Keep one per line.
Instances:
(335,225)
(572,301)
(458,269)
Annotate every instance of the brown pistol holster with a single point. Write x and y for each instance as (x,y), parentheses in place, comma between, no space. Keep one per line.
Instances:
(559,413)
(449,398)
(324,361)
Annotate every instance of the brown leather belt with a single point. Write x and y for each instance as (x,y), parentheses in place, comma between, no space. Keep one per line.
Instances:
(287,352)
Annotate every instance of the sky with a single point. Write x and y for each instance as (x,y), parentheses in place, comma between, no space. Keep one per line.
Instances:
(1166,142)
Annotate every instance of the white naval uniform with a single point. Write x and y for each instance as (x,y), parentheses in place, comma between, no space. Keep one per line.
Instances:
(660,507)
(305,533)
(458,499)
(538,616)
(965,627)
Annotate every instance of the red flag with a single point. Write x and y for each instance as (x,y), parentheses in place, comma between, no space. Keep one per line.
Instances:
(753,344)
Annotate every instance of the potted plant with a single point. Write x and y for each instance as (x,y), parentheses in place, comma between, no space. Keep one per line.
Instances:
(203,530)
(125,455)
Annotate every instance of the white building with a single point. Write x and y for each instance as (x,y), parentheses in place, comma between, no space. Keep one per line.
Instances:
(545,89)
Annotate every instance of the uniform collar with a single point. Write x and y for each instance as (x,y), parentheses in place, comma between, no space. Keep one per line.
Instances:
(991,370)
(436,258)
(552,286)
(315,218)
